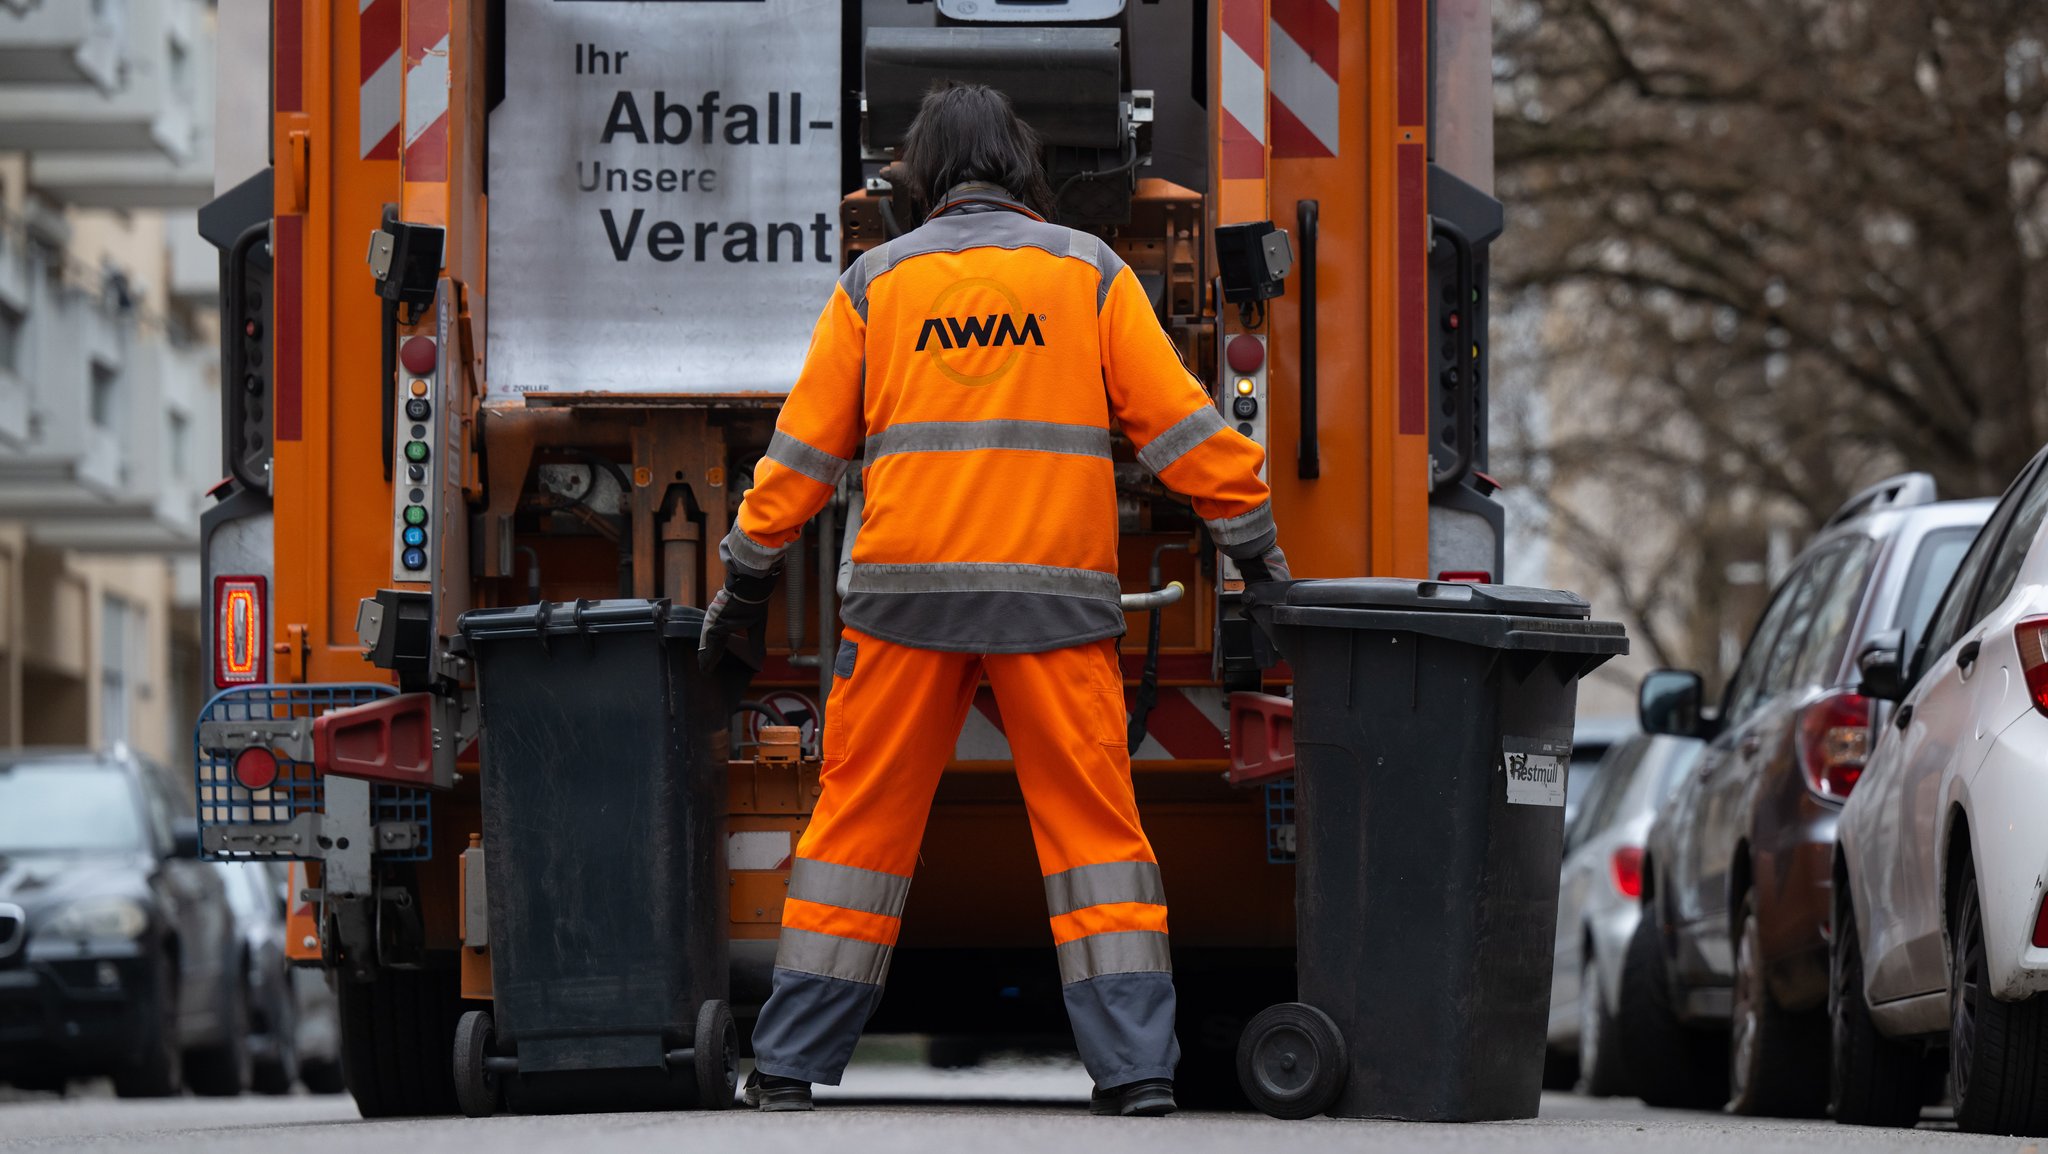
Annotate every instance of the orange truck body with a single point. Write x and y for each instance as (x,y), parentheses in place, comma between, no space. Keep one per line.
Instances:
(1361,154)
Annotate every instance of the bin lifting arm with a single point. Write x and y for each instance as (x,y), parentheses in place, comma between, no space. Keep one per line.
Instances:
(393,739)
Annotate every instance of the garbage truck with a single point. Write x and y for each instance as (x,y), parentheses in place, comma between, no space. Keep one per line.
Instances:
(508,317)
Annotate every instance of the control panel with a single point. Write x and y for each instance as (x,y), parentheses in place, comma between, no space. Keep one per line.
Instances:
(1243,396)
(414,486)
(1243,400)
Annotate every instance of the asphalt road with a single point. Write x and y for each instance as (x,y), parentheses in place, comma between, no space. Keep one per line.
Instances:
(1036,1107)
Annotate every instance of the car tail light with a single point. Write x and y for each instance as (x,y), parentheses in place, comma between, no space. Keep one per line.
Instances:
(240,656)
(2032,636)
(1834,741)
(1627,865)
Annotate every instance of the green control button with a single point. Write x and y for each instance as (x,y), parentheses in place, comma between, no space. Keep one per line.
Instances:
(416,451)
(415,515)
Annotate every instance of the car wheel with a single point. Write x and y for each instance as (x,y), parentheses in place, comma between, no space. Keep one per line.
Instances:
(1998,1051)
(397,1032)
(1674,1064)
(1560,1069)
(224,1069)
(1873,1080)
(157,1070)
(1777,1060)
(321,1076)
(278,1071)
(1602,1072)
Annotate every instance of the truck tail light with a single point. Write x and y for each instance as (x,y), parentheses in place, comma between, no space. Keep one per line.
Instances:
(2041,925)
(1834,741)
(240,656)
(2032,636)
(1627,866)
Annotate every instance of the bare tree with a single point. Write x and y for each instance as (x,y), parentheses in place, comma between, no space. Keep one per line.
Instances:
(1782,247)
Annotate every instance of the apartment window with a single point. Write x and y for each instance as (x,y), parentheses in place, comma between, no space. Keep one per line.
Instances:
(12,329)
(178,428)
(181,69)
(106,396)
(120,626)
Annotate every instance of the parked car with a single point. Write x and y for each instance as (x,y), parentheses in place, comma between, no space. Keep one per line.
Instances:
(1940,934)
(255,893)
(1737,894)
(1599,893)
(1592,737)
(319,1033)
(117,948)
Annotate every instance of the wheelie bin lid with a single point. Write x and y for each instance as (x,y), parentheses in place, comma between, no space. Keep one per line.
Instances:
(562,618)
(1492,616)
(1432,597)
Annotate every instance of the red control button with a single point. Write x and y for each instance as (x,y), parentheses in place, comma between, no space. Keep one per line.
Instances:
(1245,354)
(418,355)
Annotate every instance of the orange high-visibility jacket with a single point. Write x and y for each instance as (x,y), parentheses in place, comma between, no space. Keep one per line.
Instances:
(980,359)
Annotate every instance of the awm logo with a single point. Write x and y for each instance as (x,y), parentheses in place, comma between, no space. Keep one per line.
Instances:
(995,329)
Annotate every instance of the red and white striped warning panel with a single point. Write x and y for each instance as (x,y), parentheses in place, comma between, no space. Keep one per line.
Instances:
(1243,82)
(1187,724)
(377,113)
(1304,110)
(426,91)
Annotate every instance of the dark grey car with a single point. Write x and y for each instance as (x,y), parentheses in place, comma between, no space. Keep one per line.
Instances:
(1737,873)
(117,948)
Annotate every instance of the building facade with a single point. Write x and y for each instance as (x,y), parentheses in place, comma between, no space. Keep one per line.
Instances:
(109,379)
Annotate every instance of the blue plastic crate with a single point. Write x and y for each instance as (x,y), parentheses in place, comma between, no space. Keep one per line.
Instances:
(1280,822)
(225,802)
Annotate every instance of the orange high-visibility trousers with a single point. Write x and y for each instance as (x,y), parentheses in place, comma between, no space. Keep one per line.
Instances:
(895,715)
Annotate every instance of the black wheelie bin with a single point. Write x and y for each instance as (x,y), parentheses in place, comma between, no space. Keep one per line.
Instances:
(1432,728)
(604,794)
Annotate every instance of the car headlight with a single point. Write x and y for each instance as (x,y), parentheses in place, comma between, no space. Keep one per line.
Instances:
(98,918)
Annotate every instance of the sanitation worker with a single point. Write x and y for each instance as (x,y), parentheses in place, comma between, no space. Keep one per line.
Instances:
(976,364)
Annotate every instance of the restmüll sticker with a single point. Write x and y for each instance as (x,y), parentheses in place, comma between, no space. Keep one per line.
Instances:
(1535,769)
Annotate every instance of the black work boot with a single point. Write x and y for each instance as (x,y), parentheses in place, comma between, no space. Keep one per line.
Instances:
(772,1094)
(1151,1098)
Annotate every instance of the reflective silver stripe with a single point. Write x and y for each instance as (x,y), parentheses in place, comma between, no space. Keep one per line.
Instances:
(983,577)
(1185,434)
(959,231)
(1104,883)
(848,887)
(751,553)
(961,436)
(1096,251)
(1130,952)
(1244,527)
(817,464)
(832,956)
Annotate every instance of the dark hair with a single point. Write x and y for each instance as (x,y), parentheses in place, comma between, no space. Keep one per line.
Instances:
(966,132)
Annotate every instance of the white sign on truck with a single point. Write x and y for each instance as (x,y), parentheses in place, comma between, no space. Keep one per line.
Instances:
(664,195)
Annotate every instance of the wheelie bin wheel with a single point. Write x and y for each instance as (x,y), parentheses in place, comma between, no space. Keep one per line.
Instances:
(476,1088)
(718,1056)
(1291,1061)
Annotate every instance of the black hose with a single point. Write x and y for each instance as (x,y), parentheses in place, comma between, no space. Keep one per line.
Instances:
(1148,681)
(1136,158)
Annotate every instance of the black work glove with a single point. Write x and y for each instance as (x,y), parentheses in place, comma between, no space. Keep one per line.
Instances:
(1268,566)
(740,607)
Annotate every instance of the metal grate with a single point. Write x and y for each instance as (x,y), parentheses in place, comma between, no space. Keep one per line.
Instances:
(223,801)
(1280,821)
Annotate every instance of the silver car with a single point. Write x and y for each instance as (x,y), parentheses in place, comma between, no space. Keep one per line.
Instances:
(1598,905)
